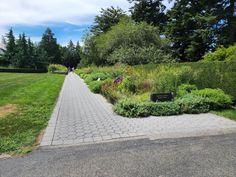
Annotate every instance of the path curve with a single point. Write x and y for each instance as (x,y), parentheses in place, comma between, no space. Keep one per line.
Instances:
(81,117)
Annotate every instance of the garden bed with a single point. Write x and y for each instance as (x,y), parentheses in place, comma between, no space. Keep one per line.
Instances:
(199,87)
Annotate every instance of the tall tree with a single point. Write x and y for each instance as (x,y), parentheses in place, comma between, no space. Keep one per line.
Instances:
(21,56)
(106,19)
(192,28)
(71,56)
(229,17)
(150,11)
(10,47)
(50,46)
(32,58)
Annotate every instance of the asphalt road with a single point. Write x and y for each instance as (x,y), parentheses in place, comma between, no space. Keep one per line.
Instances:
(213,156)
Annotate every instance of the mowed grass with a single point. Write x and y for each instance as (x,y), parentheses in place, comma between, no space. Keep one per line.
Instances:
(34,96)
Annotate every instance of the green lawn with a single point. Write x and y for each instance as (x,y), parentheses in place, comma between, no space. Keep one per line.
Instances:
(228,113)
(34,96)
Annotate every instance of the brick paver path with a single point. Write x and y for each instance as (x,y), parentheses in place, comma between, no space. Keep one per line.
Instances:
(83,117)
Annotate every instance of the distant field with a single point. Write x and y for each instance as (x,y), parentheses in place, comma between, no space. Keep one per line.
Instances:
(26,102)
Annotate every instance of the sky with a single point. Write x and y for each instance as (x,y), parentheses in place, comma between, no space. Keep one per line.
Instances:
(68,19)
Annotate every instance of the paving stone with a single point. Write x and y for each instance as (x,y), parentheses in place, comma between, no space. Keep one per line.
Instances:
(81,116)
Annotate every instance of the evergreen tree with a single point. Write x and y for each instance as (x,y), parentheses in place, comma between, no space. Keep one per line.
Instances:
(21,56)
(50,46)
(227,21)
(192,28)
(150,11)
(71,56)
(196,27)
(10,47)
(107,19)
(31,54)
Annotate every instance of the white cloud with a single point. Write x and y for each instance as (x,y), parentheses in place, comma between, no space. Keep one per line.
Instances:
(33,12)
(40,12)
(45,12)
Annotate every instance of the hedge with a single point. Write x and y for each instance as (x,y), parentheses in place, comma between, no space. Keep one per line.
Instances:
(23,70)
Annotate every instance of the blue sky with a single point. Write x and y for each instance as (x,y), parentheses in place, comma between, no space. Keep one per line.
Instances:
(68,19)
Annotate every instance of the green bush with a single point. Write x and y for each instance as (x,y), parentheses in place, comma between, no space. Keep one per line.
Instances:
(169,78)
(162,108)
(108,89)
(96,76)
(22,70)
(54,68)
(222,54)
(131,108)
(193,104)
(134,55)
(132,43)
(95,86)
(129,84)
(216,98)
(185,89)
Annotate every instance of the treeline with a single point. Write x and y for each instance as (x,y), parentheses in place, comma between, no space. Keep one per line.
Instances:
(153,34)
(23,53)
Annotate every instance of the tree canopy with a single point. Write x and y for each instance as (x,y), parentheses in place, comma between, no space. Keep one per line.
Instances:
(107,18)
(21,52)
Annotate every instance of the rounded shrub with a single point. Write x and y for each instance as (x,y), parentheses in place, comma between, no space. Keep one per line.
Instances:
(130,108)
(216,98)
(129,84)
(193,104)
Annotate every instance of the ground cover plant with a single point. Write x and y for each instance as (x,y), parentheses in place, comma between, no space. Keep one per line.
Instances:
(229,113)
(26,103)
(198,87)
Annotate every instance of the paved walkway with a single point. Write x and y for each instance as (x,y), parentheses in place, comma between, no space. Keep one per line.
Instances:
(83,117)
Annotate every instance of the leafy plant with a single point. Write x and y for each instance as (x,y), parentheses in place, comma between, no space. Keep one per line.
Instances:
(193,104)
(130,108)
(185,89)
(95,86)
(216,98)
(129,84)
(222,54)
(169,78)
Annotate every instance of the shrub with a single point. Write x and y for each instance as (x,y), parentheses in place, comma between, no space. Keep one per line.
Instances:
(146,85)
(96,76)
(222,54)
(134,55)
(95,86)
(129,84)
(193,104)
(22,70)
(131,108)
(162,108)
(132,43)
(108,89)
(169,78)
(53,68)
(185,89)
(216,98)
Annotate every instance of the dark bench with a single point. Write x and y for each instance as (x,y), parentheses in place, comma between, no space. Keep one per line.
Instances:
(159,97)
